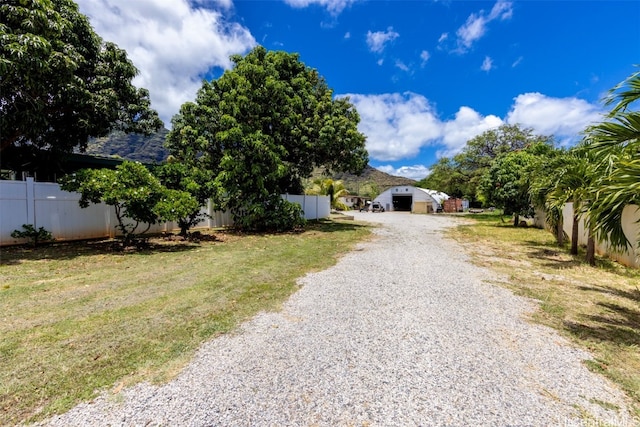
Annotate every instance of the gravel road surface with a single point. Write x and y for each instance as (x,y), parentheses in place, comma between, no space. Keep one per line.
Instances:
(403,331)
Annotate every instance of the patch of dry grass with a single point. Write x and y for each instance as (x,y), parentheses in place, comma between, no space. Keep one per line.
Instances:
(76,318)
(597,307)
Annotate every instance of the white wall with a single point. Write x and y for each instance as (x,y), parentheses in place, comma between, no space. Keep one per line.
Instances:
(46,205)
(630,225)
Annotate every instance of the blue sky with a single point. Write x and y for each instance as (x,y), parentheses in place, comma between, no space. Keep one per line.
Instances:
(425,76)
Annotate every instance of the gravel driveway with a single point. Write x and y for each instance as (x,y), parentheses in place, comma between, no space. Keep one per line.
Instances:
(403,331)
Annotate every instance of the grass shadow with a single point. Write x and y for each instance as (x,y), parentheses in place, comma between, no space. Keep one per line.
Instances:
(69,250)
(622,327)
(330,226)
(633,295)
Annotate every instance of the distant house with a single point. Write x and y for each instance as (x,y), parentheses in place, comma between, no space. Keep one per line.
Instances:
(407,198)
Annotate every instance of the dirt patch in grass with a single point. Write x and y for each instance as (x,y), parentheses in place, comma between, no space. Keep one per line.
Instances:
(598,307)
(76,318)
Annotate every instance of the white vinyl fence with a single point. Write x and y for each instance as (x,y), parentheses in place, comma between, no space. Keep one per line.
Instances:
(46,205)
(630,226)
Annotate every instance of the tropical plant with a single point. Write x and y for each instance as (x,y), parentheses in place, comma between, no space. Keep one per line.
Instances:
(615,144)
(543,180)
(331,188)
(574,184)
(190,180)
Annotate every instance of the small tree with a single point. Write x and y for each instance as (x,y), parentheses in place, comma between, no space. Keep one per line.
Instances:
(191,180)
(137,196)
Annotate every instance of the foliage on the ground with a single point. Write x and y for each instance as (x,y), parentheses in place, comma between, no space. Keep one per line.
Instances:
(80,318)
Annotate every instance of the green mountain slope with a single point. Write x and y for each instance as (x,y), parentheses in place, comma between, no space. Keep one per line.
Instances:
(141,148)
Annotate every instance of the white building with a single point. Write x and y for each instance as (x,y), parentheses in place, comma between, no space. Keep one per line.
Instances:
(411,199)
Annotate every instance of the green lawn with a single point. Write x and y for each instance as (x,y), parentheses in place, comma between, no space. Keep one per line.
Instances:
(80,317)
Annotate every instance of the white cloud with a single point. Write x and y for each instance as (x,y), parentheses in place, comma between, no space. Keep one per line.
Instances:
(565,118)
(397,125)
(471,31)
(424,56)
(347,35)
(466,125)
(487,64)
(335,7)
(476,25)
(416,172)
(517,62)
(443,37)
(401,65)
(378,40)
(172,44)
(501,10)
(380,61)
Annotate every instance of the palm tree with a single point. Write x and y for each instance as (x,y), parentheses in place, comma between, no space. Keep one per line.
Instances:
(574,184)
(331,188)
(616,145)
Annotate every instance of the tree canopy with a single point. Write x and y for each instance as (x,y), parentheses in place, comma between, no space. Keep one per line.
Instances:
(261,128)
(461,175)
(61,83)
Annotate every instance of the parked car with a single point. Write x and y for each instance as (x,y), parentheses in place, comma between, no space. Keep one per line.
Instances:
(377,207)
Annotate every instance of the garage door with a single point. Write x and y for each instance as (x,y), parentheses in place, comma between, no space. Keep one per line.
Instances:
(402,203)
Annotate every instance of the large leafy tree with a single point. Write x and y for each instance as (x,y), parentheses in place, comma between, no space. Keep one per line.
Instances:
(507,182)
(61,84)
(261,128)
(446,176)
(461,175)
(615,143)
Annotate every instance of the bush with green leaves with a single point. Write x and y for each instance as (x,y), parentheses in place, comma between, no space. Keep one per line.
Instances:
(30,232)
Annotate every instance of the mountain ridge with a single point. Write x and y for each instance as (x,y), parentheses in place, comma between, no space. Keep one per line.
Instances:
(150,149)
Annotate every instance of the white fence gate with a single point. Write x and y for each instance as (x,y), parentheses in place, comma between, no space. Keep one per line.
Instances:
(45,205)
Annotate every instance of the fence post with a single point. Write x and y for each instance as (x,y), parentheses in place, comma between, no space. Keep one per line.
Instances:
(31,202)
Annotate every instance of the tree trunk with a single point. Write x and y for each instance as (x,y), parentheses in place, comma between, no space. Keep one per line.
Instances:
(591,249)
(560,232)
(574,236)
(516,220)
